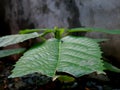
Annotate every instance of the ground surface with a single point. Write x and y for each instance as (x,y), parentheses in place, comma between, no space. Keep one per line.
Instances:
(39,82)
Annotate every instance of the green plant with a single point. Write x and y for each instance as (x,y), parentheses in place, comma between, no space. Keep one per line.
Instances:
(76,56)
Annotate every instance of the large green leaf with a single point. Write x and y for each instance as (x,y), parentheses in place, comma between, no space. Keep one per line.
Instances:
(13,39)
(94,30)
(4,53)
(76,56)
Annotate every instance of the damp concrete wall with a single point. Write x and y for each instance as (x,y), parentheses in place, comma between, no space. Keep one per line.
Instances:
(22,14)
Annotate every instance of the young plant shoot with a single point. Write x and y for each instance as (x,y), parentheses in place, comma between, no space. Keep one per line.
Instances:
(76,56)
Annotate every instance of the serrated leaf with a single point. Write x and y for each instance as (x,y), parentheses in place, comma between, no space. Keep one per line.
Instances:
(4,53)
(94,30)
(13,39)
(76,56)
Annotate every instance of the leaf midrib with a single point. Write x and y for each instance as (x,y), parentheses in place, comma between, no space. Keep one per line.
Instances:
(58,59)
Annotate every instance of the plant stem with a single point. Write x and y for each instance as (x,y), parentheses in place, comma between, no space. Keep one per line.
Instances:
(58,32)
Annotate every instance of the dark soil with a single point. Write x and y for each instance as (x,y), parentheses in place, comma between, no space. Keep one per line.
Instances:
(39,82)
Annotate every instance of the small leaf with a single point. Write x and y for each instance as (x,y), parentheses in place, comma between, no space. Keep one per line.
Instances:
(110,67)
(26,31)
(4,53)
(34,30)
(100,40)
(94,30)
(76,56)
(13,39)
(66,78)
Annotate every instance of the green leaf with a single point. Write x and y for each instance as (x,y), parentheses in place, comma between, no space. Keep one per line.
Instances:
(66,78)
(35,30)
(13,39)
(4,53)
(110,67)
(76,56)
(94,30)
(100,40)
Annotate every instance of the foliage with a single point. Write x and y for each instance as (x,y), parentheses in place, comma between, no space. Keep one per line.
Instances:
(76,56)
(13,39)
(4,53)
